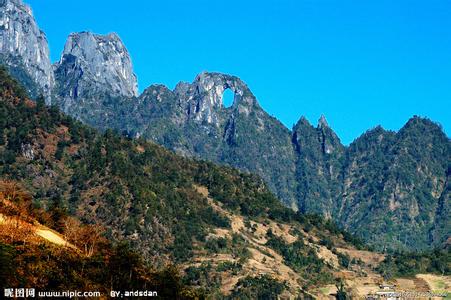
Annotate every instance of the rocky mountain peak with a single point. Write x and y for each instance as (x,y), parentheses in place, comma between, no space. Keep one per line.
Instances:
(24,48)
(420,122)
(182,88)
(302,123)
(16,4)
(101,60)
(322,122)
(214,84)
(322,137)
(204,97)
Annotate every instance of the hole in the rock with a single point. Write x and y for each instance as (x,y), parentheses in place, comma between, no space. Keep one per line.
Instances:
(227,98)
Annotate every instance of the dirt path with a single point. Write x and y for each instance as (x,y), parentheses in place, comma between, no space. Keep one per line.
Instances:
(421,285)
(41,231)
(52,237)
(437,282)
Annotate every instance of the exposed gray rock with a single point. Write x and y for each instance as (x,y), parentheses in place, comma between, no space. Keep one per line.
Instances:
(27,151)
(203,98)
(91,65)
(328,138)
(193,121)
(322,123)
(318,161)
(24,48)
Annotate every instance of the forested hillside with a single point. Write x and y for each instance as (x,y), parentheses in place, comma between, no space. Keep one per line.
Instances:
(227,234)
(167,208)
(389,188)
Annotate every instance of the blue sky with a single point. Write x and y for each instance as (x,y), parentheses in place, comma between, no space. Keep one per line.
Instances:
(360,63)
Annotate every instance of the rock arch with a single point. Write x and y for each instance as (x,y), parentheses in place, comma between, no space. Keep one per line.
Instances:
(228,97)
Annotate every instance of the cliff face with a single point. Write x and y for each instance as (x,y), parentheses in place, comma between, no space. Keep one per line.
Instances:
(203,98)
(103,60)
(91,68)
(319,160)
(24,48)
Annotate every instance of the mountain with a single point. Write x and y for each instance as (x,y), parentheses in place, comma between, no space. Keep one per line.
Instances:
(389,188)
(216,223)
(92,69)
(401,178)
(71,255)
(24,48)
(193,121)
(308,168)
(319,161)
(100,211)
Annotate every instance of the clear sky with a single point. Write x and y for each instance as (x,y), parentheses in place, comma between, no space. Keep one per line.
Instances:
(359,62)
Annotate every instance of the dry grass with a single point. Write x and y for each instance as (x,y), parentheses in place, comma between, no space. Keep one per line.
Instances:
(360,280)
(263,260)
(13,229)
(371,259)
(436,282)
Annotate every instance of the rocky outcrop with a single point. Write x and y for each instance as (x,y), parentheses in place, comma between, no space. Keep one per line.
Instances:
(319,155)
(24,48)
(91,66)
(203,98)
(193,121)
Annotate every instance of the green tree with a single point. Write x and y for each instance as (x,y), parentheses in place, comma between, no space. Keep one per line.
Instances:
(341,291)
(40,103)
(7,269)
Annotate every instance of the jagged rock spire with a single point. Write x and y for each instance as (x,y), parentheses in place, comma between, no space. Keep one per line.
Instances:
(24,47)
(103,61)
(322,122)
(302,121)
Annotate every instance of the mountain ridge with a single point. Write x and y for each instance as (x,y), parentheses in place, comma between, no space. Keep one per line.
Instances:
(106,194)
(24,46)
(212,221)
(307,167)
